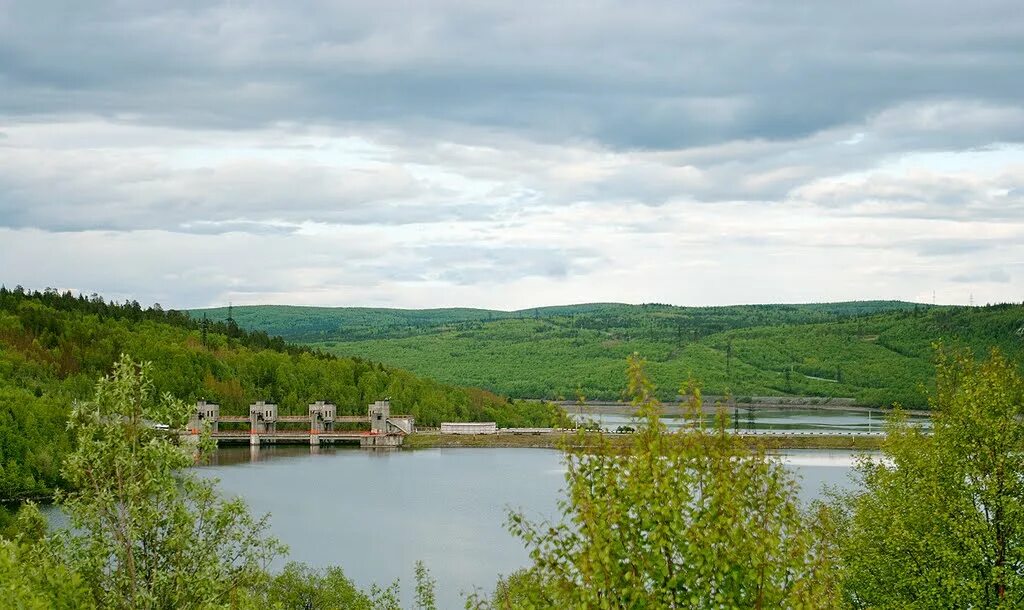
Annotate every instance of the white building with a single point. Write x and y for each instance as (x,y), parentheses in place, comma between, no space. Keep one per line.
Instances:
(469,428)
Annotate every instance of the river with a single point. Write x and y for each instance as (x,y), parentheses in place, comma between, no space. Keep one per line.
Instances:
(375,513)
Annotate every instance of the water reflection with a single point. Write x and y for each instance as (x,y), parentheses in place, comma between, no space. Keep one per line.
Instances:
(233,455)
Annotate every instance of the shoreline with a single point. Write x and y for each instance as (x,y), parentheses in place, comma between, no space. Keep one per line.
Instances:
(681,408)
(436,440)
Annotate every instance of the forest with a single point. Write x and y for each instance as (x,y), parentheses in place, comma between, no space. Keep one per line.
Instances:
(313,324)
(877,352)
(54,346)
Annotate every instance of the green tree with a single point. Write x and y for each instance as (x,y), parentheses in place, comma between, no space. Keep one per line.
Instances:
(148,533)
(31,577)
(299,586)
(940,520)
(426,599)
(32,580)
(520,589)
(690,519)
(728,359)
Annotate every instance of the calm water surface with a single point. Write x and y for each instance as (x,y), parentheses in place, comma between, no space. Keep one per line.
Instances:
(376,513)
(763,419)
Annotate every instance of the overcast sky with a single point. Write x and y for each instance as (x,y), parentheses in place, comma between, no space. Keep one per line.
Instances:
(513,154)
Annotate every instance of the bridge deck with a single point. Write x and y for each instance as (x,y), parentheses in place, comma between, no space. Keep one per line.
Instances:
(293,434)
(365,438)
(347,419)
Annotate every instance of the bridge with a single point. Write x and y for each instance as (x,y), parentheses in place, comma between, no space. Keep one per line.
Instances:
(316,427)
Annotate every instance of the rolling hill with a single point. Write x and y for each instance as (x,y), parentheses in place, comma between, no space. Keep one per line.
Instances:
(877,352)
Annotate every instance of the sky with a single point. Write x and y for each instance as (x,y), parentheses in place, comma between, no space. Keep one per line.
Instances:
(513,154)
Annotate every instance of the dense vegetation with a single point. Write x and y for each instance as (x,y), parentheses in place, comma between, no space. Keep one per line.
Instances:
(940,523)
(147,533)
(692,519)
(653,321)
(878,352)
(54,346)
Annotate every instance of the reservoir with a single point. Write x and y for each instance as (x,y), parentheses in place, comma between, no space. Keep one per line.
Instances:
(375,513)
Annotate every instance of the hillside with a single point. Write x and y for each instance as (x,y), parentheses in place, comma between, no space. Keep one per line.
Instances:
(878,352)
(313,324)
(53,348)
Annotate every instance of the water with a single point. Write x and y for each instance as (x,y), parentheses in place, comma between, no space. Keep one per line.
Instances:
(746,419)
(376,513)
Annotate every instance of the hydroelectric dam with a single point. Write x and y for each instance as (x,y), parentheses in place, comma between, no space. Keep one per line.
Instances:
(318,426)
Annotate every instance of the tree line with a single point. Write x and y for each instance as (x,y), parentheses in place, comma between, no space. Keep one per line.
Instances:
(647,321)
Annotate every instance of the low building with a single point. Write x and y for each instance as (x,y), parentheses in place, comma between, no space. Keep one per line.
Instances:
(321,416)
(205,411)
(263,417)
(469,428)
(379,412)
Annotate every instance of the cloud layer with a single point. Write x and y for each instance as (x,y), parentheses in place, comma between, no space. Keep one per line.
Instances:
(506,155)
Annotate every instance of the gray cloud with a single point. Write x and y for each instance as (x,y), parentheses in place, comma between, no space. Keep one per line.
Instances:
(628,75)
(551,104)
(999,276)
(959,195)
(88,190)
(466,265)
(952,247)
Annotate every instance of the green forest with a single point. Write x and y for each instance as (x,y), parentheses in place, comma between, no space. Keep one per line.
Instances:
(313,324)
(877,352)
(54,346)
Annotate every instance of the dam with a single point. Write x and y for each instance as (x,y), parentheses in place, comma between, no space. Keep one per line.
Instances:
(378,428)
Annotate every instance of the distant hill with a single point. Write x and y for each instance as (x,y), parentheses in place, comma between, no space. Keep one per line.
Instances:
(312,324)
(878,352)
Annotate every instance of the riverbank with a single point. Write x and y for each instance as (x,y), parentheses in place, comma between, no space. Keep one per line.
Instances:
(427,440)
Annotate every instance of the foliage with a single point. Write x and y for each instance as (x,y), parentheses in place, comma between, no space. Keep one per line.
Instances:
(299,586)
(31,577)
(878,352)
(147,533)
(425,585)
(33,439)
(32,580)
(312,324)
(940,522)
(520,589)
(685,519)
